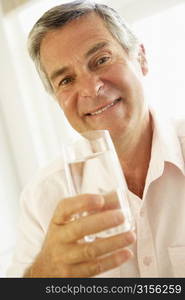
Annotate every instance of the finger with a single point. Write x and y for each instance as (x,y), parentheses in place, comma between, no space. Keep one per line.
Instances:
(103,264)
(69,207)
(111,200)
(89,251)
(78,229)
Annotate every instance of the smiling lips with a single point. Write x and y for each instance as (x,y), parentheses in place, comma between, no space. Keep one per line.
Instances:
(99,111)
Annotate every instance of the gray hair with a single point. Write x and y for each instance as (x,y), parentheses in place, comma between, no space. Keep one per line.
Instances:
(61,15)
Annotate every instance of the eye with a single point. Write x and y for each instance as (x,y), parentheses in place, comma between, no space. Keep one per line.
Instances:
(102,60)
(66,81)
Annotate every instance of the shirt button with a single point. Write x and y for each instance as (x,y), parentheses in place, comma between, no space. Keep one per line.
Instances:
(147,260)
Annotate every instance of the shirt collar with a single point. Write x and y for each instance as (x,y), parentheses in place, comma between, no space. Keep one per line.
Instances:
(166,145)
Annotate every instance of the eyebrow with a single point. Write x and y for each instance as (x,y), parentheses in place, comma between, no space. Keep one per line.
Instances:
(91,51)
(96,48)
(58,72)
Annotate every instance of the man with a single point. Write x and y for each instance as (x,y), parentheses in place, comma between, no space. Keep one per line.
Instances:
(88,58)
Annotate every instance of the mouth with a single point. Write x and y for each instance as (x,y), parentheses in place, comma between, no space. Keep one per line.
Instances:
(102,109)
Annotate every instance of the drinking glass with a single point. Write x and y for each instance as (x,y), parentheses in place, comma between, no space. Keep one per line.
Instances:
(92,166)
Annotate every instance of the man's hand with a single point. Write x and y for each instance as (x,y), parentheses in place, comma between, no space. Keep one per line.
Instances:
(66,254)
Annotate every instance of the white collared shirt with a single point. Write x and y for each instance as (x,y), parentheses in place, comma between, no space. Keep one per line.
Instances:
(159,216)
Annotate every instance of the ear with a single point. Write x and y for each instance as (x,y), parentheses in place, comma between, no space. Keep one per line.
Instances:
(142,59)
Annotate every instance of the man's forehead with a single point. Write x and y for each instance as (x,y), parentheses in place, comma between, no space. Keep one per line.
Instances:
(85,24)
(77,40)
(79,32)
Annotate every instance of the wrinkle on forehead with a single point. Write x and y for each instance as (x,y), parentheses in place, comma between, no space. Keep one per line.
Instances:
(77,28)
(67,45)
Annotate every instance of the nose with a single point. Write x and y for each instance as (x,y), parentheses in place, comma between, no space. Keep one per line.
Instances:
(90,85)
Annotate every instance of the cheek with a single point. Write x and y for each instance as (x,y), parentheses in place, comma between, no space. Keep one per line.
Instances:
(132,83)
(69,107)
(120,76)
(65,101)
(129,80)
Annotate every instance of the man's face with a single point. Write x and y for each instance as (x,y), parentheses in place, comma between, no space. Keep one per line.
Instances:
(96,83)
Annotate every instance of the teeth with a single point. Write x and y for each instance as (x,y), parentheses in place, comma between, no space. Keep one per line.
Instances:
(104,108)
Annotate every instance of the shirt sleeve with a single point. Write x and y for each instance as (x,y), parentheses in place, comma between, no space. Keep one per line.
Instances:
(29,238)
(38,202)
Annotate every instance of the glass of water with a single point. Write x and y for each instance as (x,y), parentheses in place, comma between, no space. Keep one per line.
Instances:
(92,166)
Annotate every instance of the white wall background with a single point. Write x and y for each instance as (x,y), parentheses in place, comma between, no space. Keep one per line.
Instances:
(32,127)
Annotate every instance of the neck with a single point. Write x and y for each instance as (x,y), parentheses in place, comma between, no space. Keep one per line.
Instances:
(134,156)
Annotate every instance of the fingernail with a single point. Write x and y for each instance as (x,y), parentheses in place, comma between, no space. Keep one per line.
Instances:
(130,237)
(129,254)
